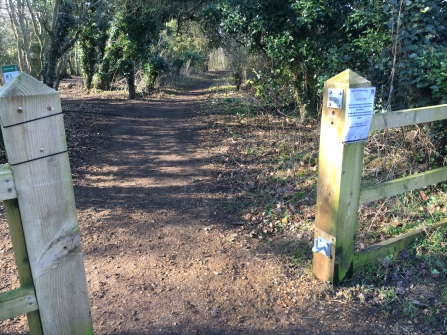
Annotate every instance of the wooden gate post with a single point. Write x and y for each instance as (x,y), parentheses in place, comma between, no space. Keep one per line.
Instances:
(34,136)
(338,187)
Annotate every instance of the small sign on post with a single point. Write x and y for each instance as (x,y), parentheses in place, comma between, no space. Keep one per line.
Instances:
(9,72)
(359,113)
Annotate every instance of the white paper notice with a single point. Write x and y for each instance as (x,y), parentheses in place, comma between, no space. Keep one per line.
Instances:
(359,112)
(7,77)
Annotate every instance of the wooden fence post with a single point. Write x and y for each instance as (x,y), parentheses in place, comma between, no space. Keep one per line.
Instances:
(338,187)
(34,136)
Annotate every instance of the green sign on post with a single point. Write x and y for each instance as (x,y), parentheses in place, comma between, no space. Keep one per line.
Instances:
(9,72)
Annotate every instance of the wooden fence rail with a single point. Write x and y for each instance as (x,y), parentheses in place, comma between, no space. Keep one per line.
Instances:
(339,193)
(37,192)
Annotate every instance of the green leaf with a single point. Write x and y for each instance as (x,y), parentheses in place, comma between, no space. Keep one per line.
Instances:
(413,55)
(421,84)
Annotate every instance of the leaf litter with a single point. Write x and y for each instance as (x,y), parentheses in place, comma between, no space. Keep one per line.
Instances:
(270,163)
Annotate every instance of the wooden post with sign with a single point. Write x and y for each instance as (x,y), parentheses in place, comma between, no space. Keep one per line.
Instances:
(34,136)
(338,191)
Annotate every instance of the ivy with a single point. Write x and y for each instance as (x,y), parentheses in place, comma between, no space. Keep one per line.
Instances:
(154,68)
(92,43)
(63,39)
(307,41)
(398,45)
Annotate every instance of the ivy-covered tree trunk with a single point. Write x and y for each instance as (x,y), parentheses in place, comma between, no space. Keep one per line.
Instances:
(129,72)
(91,46)
(49,68)
(62,38)
(87,58)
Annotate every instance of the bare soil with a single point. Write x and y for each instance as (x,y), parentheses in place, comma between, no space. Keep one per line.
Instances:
(164,252)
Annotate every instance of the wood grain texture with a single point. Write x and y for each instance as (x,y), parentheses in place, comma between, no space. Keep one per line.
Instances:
(7,186)
(47,207)
(21,257)
(338,187)
(401,185)
(408,117)
(16,302)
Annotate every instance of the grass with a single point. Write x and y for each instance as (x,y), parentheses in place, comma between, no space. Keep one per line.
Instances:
(269,161)
(432,251)
(273,157)
(426,257)
(425,261)
(410,309)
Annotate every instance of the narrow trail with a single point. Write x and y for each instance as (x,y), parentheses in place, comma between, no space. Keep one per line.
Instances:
(162,253)
(155,236)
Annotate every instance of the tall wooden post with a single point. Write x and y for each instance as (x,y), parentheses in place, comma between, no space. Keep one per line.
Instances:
(34,136)
(338,187)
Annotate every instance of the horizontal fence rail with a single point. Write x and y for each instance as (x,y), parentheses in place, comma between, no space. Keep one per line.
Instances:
(7,185)
(385,248)
(17,302)
(408,117)
(401,185)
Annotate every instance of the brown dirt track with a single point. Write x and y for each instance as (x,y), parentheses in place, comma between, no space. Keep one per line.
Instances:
(163,252)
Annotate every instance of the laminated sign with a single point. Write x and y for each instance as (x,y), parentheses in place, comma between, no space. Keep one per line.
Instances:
(9,72)
(359,112)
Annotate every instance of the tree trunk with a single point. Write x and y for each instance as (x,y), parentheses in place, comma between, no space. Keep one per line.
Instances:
(305,90)
(61,71)
(13,13)
(297,81)
(38,31)
(129,72)
(311,93)
(70,67)
(24,36)
(49,68)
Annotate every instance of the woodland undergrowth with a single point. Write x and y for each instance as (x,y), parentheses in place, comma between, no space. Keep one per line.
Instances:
(268,159)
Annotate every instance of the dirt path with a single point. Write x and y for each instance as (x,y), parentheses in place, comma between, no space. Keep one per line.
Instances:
(162,252)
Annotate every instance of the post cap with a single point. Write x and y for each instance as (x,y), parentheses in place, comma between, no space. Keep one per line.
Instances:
(25,98)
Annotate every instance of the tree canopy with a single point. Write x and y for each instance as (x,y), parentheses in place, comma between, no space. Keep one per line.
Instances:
(284,49)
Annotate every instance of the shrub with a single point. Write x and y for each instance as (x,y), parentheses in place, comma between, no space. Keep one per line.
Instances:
(101,81)
(156,67)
